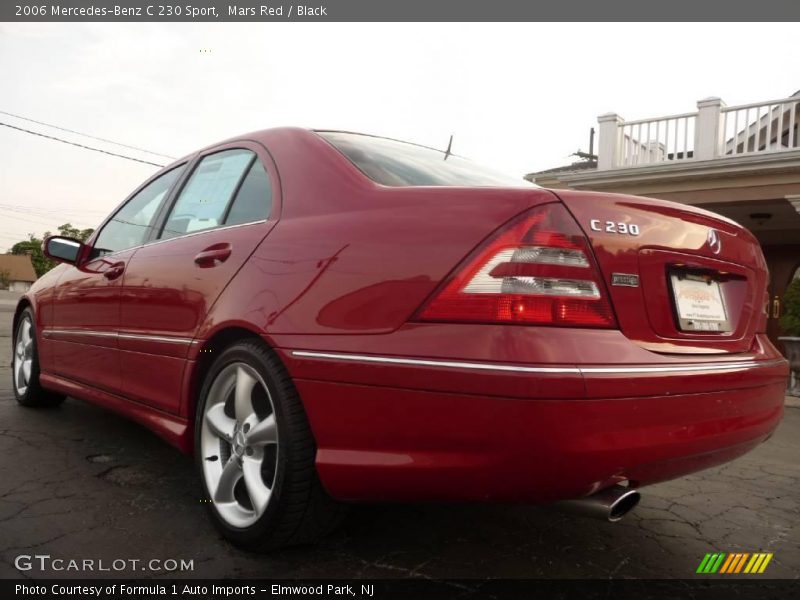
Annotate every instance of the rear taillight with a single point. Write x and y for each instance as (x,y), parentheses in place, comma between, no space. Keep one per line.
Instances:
(536,270)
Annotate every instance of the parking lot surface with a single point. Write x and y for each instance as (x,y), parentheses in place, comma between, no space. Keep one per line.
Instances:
(78,482)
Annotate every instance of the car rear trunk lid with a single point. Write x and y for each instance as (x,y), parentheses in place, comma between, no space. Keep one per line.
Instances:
(681,279)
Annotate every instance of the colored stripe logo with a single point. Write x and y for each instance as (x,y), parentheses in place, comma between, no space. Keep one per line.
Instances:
(734,562)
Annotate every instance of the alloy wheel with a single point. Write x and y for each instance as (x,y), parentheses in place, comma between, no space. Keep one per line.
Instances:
(23,356)
(239,444)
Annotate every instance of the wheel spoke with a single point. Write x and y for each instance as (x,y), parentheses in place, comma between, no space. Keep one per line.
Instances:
(26,370)
(243,402)
(259,493)
(264,432)
(220,423)
(231,473)
(25,335)
(19,376)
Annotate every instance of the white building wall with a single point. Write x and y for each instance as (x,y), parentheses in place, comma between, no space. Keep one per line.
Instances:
(19,286)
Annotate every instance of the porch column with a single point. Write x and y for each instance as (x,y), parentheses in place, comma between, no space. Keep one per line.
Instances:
(608,146)
(708,135)
(794,200)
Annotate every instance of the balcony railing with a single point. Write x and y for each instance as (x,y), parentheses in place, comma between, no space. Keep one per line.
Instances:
(714,131)
(658,140)
(760,127)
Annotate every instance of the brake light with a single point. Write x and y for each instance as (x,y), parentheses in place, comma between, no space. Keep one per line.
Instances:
(537,270)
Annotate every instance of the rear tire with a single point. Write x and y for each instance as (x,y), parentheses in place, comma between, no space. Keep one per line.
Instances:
(25,367)
(255,454)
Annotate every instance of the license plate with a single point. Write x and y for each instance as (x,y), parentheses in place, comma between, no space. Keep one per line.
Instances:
(699,304)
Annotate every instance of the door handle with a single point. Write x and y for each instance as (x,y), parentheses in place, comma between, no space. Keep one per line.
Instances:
(776,307)
(213,255)
(114,271)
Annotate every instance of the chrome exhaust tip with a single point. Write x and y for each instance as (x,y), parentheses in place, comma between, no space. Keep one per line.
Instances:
(610,504)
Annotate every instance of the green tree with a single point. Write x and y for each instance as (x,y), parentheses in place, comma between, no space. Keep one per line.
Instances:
(790,321)
(68,230)
(5,279)
(33,246)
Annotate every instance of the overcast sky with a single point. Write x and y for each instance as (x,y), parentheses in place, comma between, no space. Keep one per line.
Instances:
(518,97)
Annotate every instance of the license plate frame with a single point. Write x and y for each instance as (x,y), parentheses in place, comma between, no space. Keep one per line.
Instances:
(699,304)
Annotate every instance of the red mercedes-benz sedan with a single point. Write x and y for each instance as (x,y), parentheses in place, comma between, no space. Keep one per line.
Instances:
(323,316)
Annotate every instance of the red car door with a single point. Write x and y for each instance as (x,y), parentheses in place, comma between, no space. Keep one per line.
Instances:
(83,339)
(211,228)
(86,301)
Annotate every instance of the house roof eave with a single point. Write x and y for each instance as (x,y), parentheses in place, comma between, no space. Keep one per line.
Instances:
(776,162)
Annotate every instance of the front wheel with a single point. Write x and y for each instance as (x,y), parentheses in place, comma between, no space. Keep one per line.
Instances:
(25,366)
(255,453)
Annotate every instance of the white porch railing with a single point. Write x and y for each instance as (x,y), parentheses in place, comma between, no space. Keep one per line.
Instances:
(760,127)
(714,131)
(657,140)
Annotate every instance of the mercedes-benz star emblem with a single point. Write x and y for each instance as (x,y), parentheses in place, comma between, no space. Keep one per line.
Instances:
(714,241)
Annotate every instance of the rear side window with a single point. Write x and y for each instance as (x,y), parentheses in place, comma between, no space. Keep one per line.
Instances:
(253,201)
(207,200)
(394,163)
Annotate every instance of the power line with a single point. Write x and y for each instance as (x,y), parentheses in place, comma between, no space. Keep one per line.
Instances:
(5,216)
(50,137)
(41,212)
(94,137)
(40,223)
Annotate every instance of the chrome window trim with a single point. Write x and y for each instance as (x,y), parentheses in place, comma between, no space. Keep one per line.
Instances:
(202,231)
(731,366)
(185,235)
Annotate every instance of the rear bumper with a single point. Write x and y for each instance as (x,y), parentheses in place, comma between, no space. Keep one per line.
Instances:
(451,432)
(399,444)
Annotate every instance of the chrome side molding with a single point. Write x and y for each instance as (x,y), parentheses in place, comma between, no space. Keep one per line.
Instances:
(366,358)
(452,364)
(51,333)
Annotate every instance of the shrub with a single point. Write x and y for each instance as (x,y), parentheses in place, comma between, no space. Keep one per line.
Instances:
(790,321)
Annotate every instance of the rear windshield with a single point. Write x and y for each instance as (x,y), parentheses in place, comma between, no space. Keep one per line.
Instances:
(394,163)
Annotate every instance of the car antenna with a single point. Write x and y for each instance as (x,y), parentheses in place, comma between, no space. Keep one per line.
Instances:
(449,146)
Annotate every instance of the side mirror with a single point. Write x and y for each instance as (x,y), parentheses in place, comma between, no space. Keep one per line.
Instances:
(62,249)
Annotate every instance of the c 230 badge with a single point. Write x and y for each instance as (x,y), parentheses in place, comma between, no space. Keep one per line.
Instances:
(614,227)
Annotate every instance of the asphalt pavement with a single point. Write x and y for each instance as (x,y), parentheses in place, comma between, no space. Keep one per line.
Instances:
(78,482)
